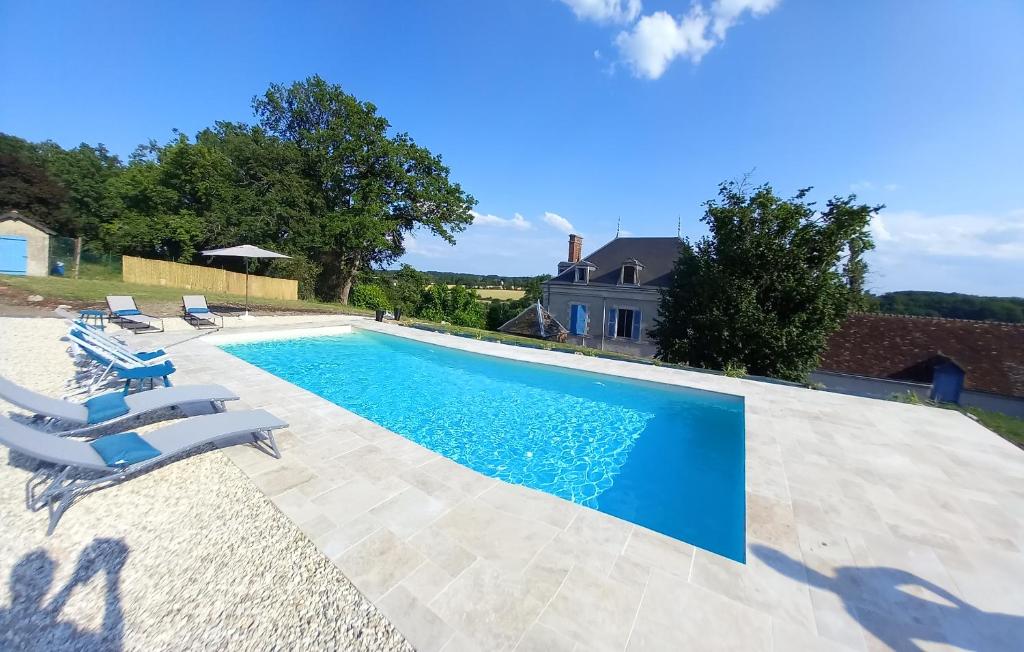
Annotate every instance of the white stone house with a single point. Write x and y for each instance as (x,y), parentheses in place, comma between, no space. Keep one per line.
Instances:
(609,299)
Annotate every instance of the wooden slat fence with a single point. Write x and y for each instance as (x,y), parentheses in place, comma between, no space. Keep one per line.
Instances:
(205,279)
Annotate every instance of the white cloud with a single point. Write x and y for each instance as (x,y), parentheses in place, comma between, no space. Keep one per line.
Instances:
(861,186)
(605,11)
(426,249)
(726,12)
(517,221)
(891,187)
(657,39)
(953,236)
(558,222)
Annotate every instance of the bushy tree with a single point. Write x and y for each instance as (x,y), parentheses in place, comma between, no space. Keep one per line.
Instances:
(370,296)
(456,305)
(764,290)
(369,189)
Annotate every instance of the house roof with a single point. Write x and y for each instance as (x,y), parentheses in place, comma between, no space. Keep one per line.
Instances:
(535,321)
(34,223)
(657,255)
(909,348)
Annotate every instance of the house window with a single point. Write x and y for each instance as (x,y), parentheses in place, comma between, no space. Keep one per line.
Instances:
(582,275)
(578,320)
(630,275)
(624,323)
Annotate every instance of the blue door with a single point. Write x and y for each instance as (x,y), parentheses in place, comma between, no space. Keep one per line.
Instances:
(13,255)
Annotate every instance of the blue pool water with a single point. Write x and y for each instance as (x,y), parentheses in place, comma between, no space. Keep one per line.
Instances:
(667,458)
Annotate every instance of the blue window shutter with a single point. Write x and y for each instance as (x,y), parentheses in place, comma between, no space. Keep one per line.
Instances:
(613,315)
(582,320)
(573,317)
(637,316)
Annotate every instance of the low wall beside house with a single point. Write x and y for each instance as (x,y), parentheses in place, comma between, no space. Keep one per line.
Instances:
(205,279)
(884,388)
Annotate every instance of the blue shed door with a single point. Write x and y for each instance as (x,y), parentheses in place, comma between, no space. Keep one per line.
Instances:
(13,255)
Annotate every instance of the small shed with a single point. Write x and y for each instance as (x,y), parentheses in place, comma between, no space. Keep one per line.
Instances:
(535,322)
(24,245)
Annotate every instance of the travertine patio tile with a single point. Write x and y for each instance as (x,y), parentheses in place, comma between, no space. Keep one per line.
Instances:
(379,562)
(281,478)
(427,581)
(296,506)
(786,636)
(487,609)
(756,585)
(530,503)
(505,540)
(422,627)
(454,474)
(409,511)
(442,550)
(659,552)
(676,615)
(597,612)
(335,541)
(597,530)
(351,499)
(540,638)
(429,484)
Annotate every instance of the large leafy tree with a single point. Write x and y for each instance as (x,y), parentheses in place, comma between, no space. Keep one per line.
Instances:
(768,285)
(370,189)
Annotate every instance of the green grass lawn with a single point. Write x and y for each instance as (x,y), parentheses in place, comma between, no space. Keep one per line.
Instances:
(161,301)
(1010,428)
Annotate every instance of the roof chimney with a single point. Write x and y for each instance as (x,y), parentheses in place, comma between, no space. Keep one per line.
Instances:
(575,248)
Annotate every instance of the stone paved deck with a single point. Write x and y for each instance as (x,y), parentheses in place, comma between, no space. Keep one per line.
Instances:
(870,525)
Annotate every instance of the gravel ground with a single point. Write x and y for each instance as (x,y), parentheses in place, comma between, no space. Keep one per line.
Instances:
(188,556)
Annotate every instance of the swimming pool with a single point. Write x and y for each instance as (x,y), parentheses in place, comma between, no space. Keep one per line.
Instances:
(668,458)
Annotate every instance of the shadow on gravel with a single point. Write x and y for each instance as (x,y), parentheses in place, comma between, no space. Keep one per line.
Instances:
(29,624)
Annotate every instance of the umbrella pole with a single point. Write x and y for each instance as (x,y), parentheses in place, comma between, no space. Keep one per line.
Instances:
(246,287)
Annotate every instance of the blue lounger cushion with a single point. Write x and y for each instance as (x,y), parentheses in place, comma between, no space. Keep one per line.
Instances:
(149,355)
(198,311)
(124,449)
(105,407)
(122,313)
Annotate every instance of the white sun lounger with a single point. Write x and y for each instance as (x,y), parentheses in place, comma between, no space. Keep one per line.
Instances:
(75,467)
(126,366)
(124,311)
(195,311)
(83,416)
(106,341)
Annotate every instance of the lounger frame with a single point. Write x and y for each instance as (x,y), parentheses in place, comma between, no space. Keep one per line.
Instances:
(210,318)
(142,323)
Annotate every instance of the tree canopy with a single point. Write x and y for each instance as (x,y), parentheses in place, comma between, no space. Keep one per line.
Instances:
(768,285)
(320,176)
(952,305)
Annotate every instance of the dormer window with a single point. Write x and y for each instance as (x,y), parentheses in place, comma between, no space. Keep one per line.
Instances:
(581,272)
(630,274)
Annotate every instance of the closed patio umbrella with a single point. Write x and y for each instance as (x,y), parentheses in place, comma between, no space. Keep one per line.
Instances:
(247,252)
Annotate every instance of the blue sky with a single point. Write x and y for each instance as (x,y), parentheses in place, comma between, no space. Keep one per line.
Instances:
(582,112)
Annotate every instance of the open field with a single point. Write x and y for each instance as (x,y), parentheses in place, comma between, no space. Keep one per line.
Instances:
(161,301)
(503,295)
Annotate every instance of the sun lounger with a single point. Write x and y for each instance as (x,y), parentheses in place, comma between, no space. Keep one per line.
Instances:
(113,345)
(124,312)
(195,311)
(108,409)
(124,365)
(77,467)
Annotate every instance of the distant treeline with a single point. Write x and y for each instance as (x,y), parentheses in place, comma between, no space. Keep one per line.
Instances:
(483,280)
(952,305)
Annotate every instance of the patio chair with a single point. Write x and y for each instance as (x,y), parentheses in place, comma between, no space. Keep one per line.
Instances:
(195,311)
(76,467)
(123,311)
(108,409)
(125,366)
(106,341)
